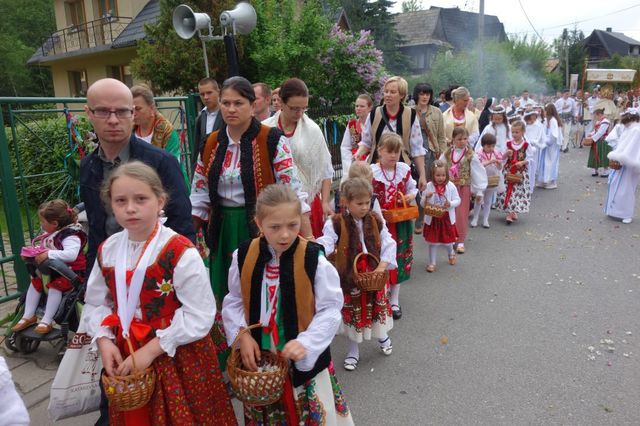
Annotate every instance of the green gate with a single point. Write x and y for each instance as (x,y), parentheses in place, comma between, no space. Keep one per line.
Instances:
(41,144)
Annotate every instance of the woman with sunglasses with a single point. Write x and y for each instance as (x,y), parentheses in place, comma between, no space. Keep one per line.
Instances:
(308,147)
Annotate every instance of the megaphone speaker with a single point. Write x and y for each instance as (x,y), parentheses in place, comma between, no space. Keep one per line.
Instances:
(186,22)
(243,17)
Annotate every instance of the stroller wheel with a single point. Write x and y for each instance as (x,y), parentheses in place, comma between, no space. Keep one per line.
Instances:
(26,345)
(10,342)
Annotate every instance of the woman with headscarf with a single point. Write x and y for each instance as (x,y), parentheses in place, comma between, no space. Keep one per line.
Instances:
(485,115)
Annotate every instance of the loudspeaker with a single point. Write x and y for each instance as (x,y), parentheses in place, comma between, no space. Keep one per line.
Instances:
(186,22)
(242,18)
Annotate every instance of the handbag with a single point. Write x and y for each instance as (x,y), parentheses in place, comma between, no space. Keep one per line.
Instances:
(76,388)
(36,248)
(400,214)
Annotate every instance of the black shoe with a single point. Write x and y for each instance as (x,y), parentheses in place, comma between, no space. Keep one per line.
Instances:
(396,311)
(565,150)
(605,175)
(595,174)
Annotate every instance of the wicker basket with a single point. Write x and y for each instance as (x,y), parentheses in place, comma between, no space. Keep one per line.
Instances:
(400,214)
(434,211)
(369,281)
(493,181)
(257,388)
(587,142)
(614,165)
(126,393)
(513,178)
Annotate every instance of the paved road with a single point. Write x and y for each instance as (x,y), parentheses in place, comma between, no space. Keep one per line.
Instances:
(523,315)
(520,311)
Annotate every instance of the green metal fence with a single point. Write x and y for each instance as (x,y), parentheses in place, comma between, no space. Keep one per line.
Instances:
(39,160)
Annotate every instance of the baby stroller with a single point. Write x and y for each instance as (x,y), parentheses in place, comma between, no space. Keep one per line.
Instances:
(67,316)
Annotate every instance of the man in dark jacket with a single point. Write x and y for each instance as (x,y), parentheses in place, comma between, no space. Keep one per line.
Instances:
(209,120)
(110,111)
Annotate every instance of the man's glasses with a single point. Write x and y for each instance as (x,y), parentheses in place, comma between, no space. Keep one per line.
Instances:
(106,113)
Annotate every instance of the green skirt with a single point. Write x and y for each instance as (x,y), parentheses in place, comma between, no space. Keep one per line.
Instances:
(602,148)
(233,231)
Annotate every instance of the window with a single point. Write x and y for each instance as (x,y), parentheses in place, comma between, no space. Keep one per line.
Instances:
(78,83)
(107,8)
(122,73)
(419,61)
(75,12)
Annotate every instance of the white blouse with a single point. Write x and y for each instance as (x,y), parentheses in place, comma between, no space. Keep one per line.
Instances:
(326,320)
(329,239)
(390,185)
(478,173)
(501,132)
(192,321)
(70,247)
(230,186)
(415,139)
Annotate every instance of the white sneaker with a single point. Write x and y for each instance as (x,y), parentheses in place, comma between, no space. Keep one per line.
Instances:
(486,225)
(627,220)
(473,223)
(551,186)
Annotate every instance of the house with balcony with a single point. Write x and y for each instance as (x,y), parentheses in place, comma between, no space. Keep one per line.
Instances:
(94,39)
(601,45)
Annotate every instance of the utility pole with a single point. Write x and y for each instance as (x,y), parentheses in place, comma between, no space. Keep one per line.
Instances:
(566,59)
(481,86)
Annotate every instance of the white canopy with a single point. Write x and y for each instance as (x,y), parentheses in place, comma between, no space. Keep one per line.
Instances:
(611,75)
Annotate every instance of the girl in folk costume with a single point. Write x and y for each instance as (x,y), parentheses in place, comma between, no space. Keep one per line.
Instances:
(517,197)
(308,147)
(353,133)
(621,194)
(491,160)
(549,155)
(362,169)
(149,291)
(499,128)
(442,193)
(285,283)
(64,241)
(469,176)
(459,116)
(391,181)
(395,118)
(534,134)
(365,314)
(598,160)
(237,162)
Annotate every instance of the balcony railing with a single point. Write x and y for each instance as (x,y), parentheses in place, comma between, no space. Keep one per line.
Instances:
(87,35)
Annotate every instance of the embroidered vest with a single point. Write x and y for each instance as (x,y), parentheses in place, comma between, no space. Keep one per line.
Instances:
(465,166)
(406,117)
(257,148)
(158,300)
(348,245)
(298,267)
(80,263)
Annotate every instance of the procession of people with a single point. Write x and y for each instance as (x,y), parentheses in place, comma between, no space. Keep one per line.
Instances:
(285,269)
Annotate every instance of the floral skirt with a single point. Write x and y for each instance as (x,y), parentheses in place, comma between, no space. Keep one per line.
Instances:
(318,402)
(402,233)
(517,197)
(366,314)
(188,390)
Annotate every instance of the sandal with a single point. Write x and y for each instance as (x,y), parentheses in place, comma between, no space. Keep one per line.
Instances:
(452,259)
(460,249)
(431,268)
(388,349)
(350,363)
(24,323)
(418,230)
(43,328)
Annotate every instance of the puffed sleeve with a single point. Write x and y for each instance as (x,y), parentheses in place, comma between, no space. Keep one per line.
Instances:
(415,140)
(98,304)
(412,187)
(232,306)
(70,249)
(604,126)
(388,247)
(454,196)
(345,153)
(194,319)
(328,300)
(329,237)
(286,172)
(479,179)
(200,192)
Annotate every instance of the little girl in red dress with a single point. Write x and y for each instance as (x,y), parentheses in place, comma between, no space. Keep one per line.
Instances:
(440,230)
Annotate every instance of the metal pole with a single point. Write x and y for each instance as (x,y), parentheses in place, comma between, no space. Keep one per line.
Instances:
(481,86)
(206,61)
(566,56)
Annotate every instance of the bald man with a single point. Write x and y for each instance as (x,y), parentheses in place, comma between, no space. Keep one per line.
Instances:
(110,111)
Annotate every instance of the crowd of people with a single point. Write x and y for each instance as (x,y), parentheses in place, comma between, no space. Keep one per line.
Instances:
(279,267)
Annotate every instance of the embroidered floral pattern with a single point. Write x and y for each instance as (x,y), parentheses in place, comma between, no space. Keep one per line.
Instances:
(165,288)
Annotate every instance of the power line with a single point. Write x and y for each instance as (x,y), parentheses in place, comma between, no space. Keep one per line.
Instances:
(529,20)
(593,18)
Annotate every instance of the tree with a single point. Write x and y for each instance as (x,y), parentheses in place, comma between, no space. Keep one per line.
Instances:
(23,27)
(174,65)
(569,46)
(411,6)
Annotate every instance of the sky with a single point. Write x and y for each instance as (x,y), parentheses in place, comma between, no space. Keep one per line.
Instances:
(549,17)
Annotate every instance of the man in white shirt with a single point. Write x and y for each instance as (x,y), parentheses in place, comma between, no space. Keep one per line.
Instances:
(209,120)
(262,104)
(566,107)
(525,100)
